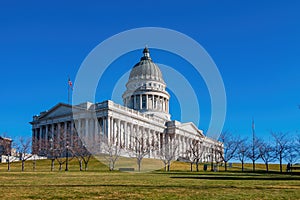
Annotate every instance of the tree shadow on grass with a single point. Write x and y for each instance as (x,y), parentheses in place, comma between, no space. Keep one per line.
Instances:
(245,177)
(232,173)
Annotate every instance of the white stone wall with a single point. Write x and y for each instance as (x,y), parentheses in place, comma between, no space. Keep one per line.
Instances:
(119,125)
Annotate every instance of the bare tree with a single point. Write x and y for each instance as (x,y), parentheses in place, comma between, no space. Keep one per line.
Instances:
(59,151)
(195,152)
(267,153)
(291,154)
(23,148)
(5,148)
(34,149)
(230,145)
(82,154)
(112,152)
(168,152)
(297,144)
(83,149)
(141,147)
(281,146)
(243,150)
(190,156)
(254,153)
(50,153)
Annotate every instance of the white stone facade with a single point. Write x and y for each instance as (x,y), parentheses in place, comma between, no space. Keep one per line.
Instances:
(145,112)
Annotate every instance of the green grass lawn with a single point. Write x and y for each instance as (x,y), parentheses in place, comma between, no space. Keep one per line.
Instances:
(99,183)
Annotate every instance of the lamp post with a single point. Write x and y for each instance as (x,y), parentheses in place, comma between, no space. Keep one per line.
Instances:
(67,157)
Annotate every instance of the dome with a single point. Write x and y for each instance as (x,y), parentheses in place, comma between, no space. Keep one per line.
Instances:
(146,69)
(146,89)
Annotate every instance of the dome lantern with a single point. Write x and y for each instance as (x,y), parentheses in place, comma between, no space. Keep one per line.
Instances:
(146,53)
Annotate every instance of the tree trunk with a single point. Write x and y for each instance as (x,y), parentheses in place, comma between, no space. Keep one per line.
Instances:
(253,165)
(225,166)
(23,165)
(139,166)
(267,166)
(113,165)
(34,165)
(169,166)
(60,166)
(111,168)
(197,166)
(280,162)
(8,164)
(52,165)
(80,165)
(191,166)
(242,166)
(85,166)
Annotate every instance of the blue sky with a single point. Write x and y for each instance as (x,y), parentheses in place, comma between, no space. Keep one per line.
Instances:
(255,44)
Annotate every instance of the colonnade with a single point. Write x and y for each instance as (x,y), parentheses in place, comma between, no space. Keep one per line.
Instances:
(147,102)
(116,131)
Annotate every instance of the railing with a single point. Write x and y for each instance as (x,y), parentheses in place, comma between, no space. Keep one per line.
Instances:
(132,111)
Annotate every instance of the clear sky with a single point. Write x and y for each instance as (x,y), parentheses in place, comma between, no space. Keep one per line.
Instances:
(255,44)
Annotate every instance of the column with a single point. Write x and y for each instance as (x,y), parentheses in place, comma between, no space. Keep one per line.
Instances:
(106,125)
(58,130)
(147,101)
(167,105)
(152,102)
(141,106)
(123,135)
(52,132)
(119,133)
(149,142)
(158,141)
(86,130)
(184,145)
(110,128)
(71,134)
(96,133)
(79,130)
(113,131)
(33,141)
(46,138)
(40,139)
(65,137)
(131,135)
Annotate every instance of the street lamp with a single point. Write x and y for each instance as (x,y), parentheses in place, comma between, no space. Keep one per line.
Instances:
(67,157)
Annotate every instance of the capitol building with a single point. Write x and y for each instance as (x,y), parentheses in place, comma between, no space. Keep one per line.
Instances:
(143,115)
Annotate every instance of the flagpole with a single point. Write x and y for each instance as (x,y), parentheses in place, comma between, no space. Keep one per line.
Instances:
(70,86)
(253,143)
(68,93)
(69,90)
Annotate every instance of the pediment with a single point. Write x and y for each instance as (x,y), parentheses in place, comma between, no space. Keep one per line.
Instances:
(191,128)
(57,111)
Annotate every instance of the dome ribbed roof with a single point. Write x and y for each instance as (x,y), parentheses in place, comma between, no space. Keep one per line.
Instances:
(146,69)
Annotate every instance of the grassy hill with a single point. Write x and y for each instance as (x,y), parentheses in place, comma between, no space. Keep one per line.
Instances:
(100,183)
(147,165)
